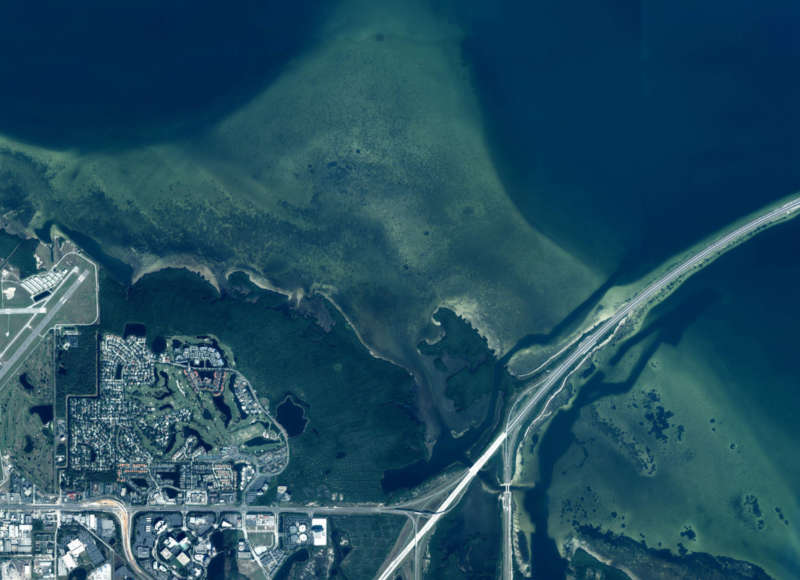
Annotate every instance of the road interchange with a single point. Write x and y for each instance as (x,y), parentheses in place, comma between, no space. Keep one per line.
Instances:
(571,358)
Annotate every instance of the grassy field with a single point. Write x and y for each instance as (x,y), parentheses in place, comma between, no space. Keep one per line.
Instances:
(39,373)
(362,543)
(83,304)
(73,301)
(261,538)
(206,419)
(23,434)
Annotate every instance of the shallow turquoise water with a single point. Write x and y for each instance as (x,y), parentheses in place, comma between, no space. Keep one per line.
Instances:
(736,320)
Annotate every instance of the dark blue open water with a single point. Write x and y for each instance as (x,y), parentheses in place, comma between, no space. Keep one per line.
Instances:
(96,73)
(745,305)
(627,130)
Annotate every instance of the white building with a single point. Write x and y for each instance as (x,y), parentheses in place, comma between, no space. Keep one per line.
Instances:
(319,529)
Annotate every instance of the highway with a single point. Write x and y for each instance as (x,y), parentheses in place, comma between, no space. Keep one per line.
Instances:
(546,389)
(126,514)
(125,521)
(558,376)
(113,504)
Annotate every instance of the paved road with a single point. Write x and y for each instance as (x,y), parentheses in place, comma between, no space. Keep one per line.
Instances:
(125,521)
(25,310)
(528,401)
(35,333)
(557,376)
(589,343)
(126,514)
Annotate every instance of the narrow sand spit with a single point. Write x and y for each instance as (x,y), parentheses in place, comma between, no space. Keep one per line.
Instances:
(178,261)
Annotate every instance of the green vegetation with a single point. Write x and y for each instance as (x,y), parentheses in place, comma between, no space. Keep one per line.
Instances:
(460,340)
(461,369)
(270,496)
(466,543)
(214,428)
(8,244)
(333,176)
(80,308)
(697,410)
(82,305)
(588,568)
(468,385)
(645,562)
(463,359)
(362,543)
(359,408)
(225,563)
(76,366)
(19,253)
(36,375)
(261,538)
(26,421)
